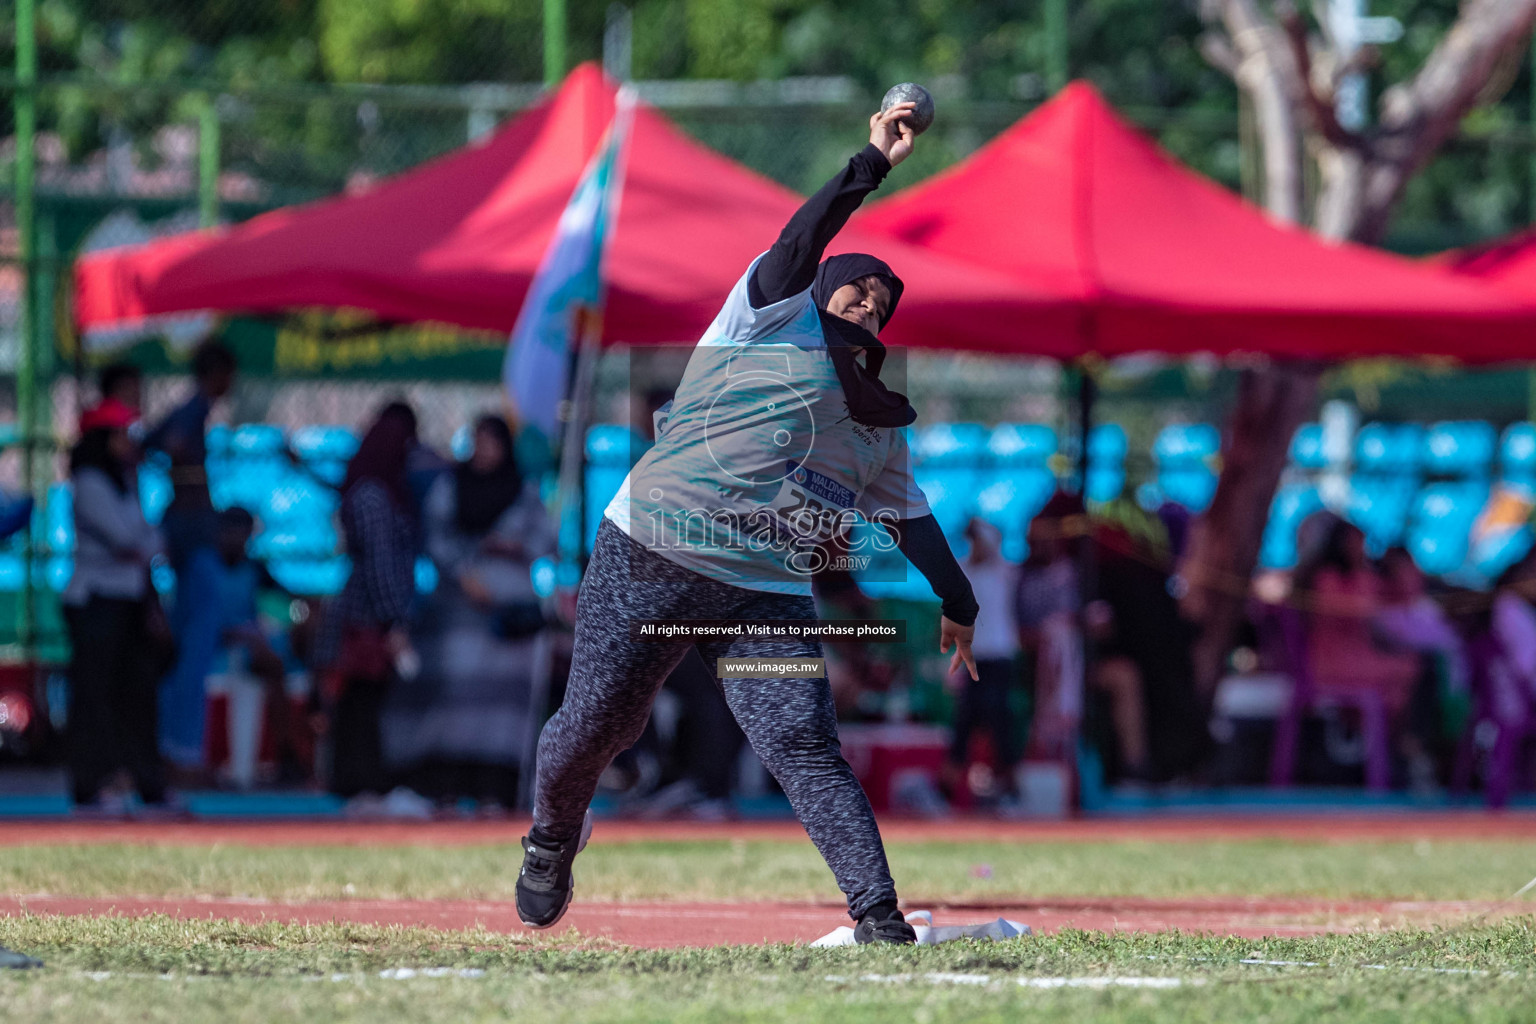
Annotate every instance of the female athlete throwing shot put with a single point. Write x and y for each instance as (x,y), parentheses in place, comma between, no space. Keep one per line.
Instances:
(776,434)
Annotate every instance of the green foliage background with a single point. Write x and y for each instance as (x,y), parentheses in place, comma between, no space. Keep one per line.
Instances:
(120,67)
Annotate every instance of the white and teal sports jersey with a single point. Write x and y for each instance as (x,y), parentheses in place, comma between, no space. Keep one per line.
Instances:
(758,458)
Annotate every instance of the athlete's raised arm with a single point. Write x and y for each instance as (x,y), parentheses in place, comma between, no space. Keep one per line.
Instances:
(790,266)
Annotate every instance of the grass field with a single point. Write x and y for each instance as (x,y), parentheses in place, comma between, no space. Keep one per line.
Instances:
(771,870)
(110,969)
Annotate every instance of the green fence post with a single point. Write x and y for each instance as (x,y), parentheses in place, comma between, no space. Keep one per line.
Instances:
(208,162)
(1058,62)
(25,106)
(554,42)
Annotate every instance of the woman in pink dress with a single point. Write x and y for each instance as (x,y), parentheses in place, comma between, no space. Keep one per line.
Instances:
(1343,594)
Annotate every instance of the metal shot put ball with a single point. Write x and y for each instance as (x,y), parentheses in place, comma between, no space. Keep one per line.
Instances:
(922,115)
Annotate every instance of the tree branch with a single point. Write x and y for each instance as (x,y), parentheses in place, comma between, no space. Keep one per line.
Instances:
(1218,50)
(1431,105)
(1255,55)
(1416,117)
(1319,106)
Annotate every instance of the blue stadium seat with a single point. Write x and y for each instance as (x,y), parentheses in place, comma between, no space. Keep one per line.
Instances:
(218,440)
(1517,452)
(154,490)
(1013,497)
(1185,455)
(1107,445)
(59,526)
(948,462)
(1307,447)
(312,578)
(1441,522)
(1107,448)
(324,443)
(610,447)
(951,445)
(1021,444)
(1105,483)
(1292,505)
(613,444)
(1389,448)
(1459,448)
(1379,504)
(1186,442)
(297,498)
(1192,486)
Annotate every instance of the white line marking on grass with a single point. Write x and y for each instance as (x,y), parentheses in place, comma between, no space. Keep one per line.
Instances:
(1258,962)
(1085,981)
(1108,982)
(401,973)
(388,974)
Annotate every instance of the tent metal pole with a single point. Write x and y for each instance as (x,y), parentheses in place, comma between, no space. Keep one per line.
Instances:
(554,42)
(1058,66)
(208,145)
(1087,563)
(25,110)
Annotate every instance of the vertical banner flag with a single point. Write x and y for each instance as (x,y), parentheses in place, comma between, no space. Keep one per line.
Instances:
(569,282)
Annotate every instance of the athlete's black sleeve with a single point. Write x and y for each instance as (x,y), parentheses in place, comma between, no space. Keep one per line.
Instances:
(790,266)
(923,543)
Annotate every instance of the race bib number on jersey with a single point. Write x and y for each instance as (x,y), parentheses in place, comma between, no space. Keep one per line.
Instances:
(813,508)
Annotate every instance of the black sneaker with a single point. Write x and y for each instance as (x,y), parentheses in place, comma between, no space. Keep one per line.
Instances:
(544,884)
(884,923)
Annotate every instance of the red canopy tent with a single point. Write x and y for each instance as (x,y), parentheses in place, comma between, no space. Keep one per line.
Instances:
(1508,264)
(1074,201)
(459,239)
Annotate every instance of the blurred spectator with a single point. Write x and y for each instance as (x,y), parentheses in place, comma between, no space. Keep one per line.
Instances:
(189,525)
(123,382)
(984,702)
(1512,674)
(108,604)
(1345,596)
(1049,612)
(1143,658)
(464,726)
(248,658)
(364,647)
(1411,620)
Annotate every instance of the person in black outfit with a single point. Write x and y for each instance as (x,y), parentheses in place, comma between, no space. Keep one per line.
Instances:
(812,320)
(113,676)
(364,638)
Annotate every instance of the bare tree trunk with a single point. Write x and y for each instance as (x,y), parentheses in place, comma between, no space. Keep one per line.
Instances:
(1272,401)
(1270,56)
(1340,200)
(1224,545)
(1281,135)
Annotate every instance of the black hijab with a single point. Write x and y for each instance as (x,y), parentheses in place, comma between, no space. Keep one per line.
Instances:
(382,453)
(483,497)
(869,401)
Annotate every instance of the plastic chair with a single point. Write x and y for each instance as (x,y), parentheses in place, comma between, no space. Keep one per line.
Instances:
(1510,735)
(1184,454)
(1290,625)
(1459,448)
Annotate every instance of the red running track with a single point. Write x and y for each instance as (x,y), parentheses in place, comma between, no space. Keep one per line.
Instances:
(662,925)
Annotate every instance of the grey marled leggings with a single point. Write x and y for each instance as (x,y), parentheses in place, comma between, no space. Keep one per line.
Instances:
(791,723)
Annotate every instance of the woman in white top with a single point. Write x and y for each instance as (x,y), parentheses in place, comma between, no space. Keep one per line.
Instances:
(113,678)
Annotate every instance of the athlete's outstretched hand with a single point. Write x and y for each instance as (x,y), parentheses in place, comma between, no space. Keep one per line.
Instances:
(951,632)
(891,134)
